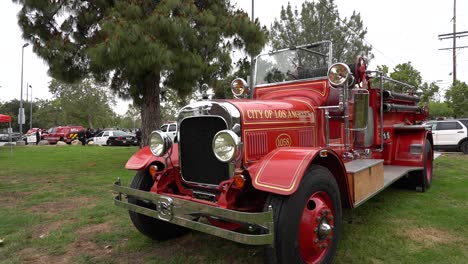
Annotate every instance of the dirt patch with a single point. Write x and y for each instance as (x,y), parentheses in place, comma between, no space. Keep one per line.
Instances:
(92,164)
(429,236)
(52,208)
(42,231)
(32,255)
(83,245)
(12,199)
(88,232)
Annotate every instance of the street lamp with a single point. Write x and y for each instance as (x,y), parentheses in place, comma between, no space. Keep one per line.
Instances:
(21,110)
(30,110)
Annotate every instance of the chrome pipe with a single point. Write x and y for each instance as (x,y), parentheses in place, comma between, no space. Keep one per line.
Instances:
(400,96)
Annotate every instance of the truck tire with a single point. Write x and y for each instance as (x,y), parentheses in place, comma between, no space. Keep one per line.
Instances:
(421,180)
(464,147)
(153,228)
(425,176)
(307,223)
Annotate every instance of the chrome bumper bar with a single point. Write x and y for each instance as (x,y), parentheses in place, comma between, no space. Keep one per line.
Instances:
(183,212)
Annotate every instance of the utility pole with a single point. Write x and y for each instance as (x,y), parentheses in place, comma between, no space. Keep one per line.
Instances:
(454,36)
(252,81)
(454,73)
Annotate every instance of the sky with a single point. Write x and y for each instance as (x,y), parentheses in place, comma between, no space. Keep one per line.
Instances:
(399,31)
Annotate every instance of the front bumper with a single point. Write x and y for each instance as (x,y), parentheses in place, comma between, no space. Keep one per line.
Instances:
(183,212)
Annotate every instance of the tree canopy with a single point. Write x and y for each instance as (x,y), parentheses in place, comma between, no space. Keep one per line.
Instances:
(405,72)
(139,45)
(457,99)
(317,21)
(84,103)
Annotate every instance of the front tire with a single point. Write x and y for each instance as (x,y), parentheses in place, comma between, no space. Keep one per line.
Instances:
(307,223)
(153,228)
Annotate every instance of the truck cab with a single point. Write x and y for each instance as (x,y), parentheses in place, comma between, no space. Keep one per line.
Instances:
(276,165)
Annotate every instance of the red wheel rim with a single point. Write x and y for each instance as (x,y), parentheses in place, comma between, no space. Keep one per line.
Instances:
(429,166)
(316,227)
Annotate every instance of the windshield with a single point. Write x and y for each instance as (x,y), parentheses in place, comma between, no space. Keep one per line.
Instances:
(303,62)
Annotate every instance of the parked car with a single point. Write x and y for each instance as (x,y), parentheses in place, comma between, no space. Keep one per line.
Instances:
(170,130)
(5,137)
(114,138)
(62,133)
(450,134)
(30,136)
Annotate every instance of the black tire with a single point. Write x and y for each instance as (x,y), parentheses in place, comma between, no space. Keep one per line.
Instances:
(420,180)
(289,245)
(464,147)
(109,143)
(425,176)
(153,228)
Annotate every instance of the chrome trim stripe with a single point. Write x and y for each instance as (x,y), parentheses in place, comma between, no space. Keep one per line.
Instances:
(183,211)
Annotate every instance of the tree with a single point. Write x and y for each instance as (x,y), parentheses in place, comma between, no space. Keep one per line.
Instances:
(457,99)
(438,109)
(83,103)
(139,45)
(405,72)
(428,91)
(320,21)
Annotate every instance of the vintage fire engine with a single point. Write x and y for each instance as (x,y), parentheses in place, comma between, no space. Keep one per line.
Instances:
(275,166)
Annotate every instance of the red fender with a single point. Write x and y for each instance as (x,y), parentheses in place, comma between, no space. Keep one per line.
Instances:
(401,152)
(282,170)
(143,158)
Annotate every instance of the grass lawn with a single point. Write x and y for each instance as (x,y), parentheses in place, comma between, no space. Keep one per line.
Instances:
(56,207)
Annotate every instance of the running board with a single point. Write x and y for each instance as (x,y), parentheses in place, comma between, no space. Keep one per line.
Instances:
(368,177)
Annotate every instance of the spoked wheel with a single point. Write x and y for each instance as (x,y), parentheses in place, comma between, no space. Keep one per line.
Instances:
(307,223)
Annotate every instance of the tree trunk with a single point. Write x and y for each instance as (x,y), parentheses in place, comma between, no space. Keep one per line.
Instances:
(151,107)
(90,121)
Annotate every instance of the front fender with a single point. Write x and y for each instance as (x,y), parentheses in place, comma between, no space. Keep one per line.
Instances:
(143,158)
(282,170)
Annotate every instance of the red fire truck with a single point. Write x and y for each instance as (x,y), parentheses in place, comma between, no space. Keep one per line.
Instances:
(276,165)
(62,133)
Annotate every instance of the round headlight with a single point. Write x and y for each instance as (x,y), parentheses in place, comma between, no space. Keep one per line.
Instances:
(160,143)
(239,87)
(338,74)
(226,145)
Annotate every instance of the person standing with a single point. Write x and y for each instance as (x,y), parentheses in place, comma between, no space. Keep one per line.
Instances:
(38,136)
(138,137)
(82,137)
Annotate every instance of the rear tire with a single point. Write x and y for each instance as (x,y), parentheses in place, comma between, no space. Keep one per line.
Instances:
(425,176)
(153,228)
(307,223)
(464,147)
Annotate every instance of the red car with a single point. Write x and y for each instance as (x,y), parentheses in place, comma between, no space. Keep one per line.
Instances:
(62,133)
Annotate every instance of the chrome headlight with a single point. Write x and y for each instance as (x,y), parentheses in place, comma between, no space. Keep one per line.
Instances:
(226,146)
(160,143)
(338,74)
(239,87)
